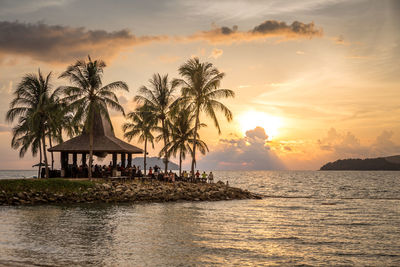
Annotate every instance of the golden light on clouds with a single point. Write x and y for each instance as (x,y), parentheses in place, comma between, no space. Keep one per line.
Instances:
(252,119)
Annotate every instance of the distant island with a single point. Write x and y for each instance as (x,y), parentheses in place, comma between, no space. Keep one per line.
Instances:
(391,163)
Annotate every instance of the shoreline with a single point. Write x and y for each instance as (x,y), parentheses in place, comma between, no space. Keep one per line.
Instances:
(17,192)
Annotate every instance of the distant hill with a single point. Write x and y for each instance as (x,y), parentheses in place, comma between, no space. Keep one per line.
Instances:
(391,163)
(152,161)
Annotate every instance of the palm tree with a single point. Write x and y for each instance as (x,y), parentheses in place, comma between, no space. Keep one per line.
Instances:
(30,107)
(88,96)
(182,136)
(200,91)
(158,98)
(142,125)
(60,118)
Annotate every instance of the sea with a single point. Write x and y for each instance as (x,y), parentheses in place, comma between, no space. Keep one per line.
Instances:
(307,218)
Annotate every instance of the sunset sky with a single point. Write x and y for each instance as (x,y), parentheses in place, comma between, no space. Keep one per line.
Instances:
(320,79)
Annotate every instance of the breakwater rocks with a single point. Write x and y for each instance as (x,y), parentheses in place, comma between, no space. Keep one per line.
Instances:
(134,191)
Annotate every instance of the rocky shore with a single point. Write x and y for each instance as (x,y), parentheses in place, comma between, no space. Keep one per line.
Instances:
(130,191)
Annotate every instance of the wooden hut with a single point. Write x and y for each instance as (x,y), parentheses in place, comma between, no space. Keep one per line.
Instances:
(104,142)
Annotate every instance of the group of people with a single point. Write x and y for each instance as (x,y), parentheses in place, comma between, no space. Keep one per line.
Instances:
(203,177)
(156,173)
(99,171)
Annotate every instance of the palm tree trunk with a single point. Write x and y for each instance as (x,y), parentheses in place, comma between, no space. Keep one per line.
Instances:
(91,146)
(144,158)
(45,155)
(195,141)
(40,159)
(165,143)
(180,164)
(51,153)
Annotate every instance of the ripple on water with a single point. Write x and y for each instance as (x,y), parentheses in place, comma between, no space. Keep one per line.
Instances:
(308,219)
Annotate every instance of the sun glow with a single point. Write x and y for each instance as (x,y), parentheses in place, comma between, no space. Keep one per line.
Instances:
(251,119)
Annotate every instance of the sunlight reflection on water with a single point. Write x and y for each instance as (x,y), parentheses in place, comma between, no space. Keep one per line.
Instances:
(312,218)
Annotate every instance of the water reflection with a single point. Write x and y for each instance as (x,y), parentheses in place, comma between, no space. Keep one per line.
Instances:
(311,221)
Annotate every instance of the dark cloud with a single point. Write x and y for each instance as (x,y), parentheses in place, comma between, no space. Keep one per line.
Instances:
(227,30)
(55,43)
(267,29)
(296,28)
(248,153)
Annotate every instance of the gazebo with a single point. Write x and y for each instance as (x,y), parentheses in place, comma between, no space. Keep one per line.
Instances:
(104,142)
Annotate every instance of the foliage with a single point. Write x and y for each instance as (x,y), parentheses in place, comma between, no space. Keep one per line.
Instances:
(88,96)
(31,107)
(200,93)
(158,98)
(142,124)
(182,133)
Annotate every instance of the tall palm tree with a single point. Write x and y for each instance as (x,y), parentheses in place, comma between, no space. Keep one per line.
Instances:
(200,91)
(182,135)
(61,120)
(30,107)
(88,96)
(158,98)
(23,138)
(142,125)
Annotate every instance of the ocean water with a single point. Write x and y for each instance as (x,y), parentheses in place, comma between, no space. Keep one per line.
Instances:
(18,174)
(308,218)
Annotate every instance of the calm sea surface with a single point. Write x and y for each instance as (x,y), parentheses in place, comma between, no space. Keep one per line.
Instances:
(307,218)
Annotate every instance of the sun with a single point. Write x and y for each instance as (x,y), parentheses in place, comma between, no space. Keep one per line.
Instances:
(251,119)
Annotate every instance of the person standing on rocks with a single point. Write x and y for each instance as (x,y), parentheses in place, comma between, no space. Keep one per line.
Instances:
(211,177)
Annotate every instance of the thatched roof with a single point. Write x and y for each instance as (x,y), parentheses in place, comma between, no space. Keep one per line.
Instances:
(104,140)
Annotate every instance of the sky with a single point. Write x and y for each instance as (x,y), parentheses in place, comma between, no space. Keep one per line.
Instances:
(315,80)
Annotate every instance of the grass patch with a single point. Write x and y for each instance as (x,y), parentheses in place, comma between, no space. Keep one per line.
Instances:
(42,185)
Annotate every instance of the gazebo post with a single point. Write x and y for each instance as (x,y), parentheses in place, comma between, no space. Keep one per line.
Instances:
(83,159)
(123,159)
(75,159)
(66,163)
(129,160)
(114,159)
(62,159)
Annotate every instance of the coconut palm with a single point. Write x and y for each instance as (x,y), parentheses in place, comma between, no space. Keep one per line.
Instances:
(30,107)
(158,98)
(200,91)
(182,136)
(88,96)
(142,125)
(60,118)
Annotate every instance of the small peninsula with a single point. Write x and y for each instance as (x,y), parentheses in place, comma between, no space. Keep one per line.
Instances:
(391,163)
(69,191)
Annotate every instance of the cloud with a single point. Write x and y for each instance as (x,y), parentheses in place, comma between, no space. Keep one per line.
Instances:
(55,43)
(343,145)
(300,52)
(216,53)
(247,153)
(384,145)
(60,44)
(267,29)
(349,146)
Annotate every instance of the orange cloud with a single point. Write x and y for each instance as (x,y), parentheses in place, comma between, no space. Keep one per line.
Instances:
(243,153)
(267,29)
(216,53)
(60,44)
